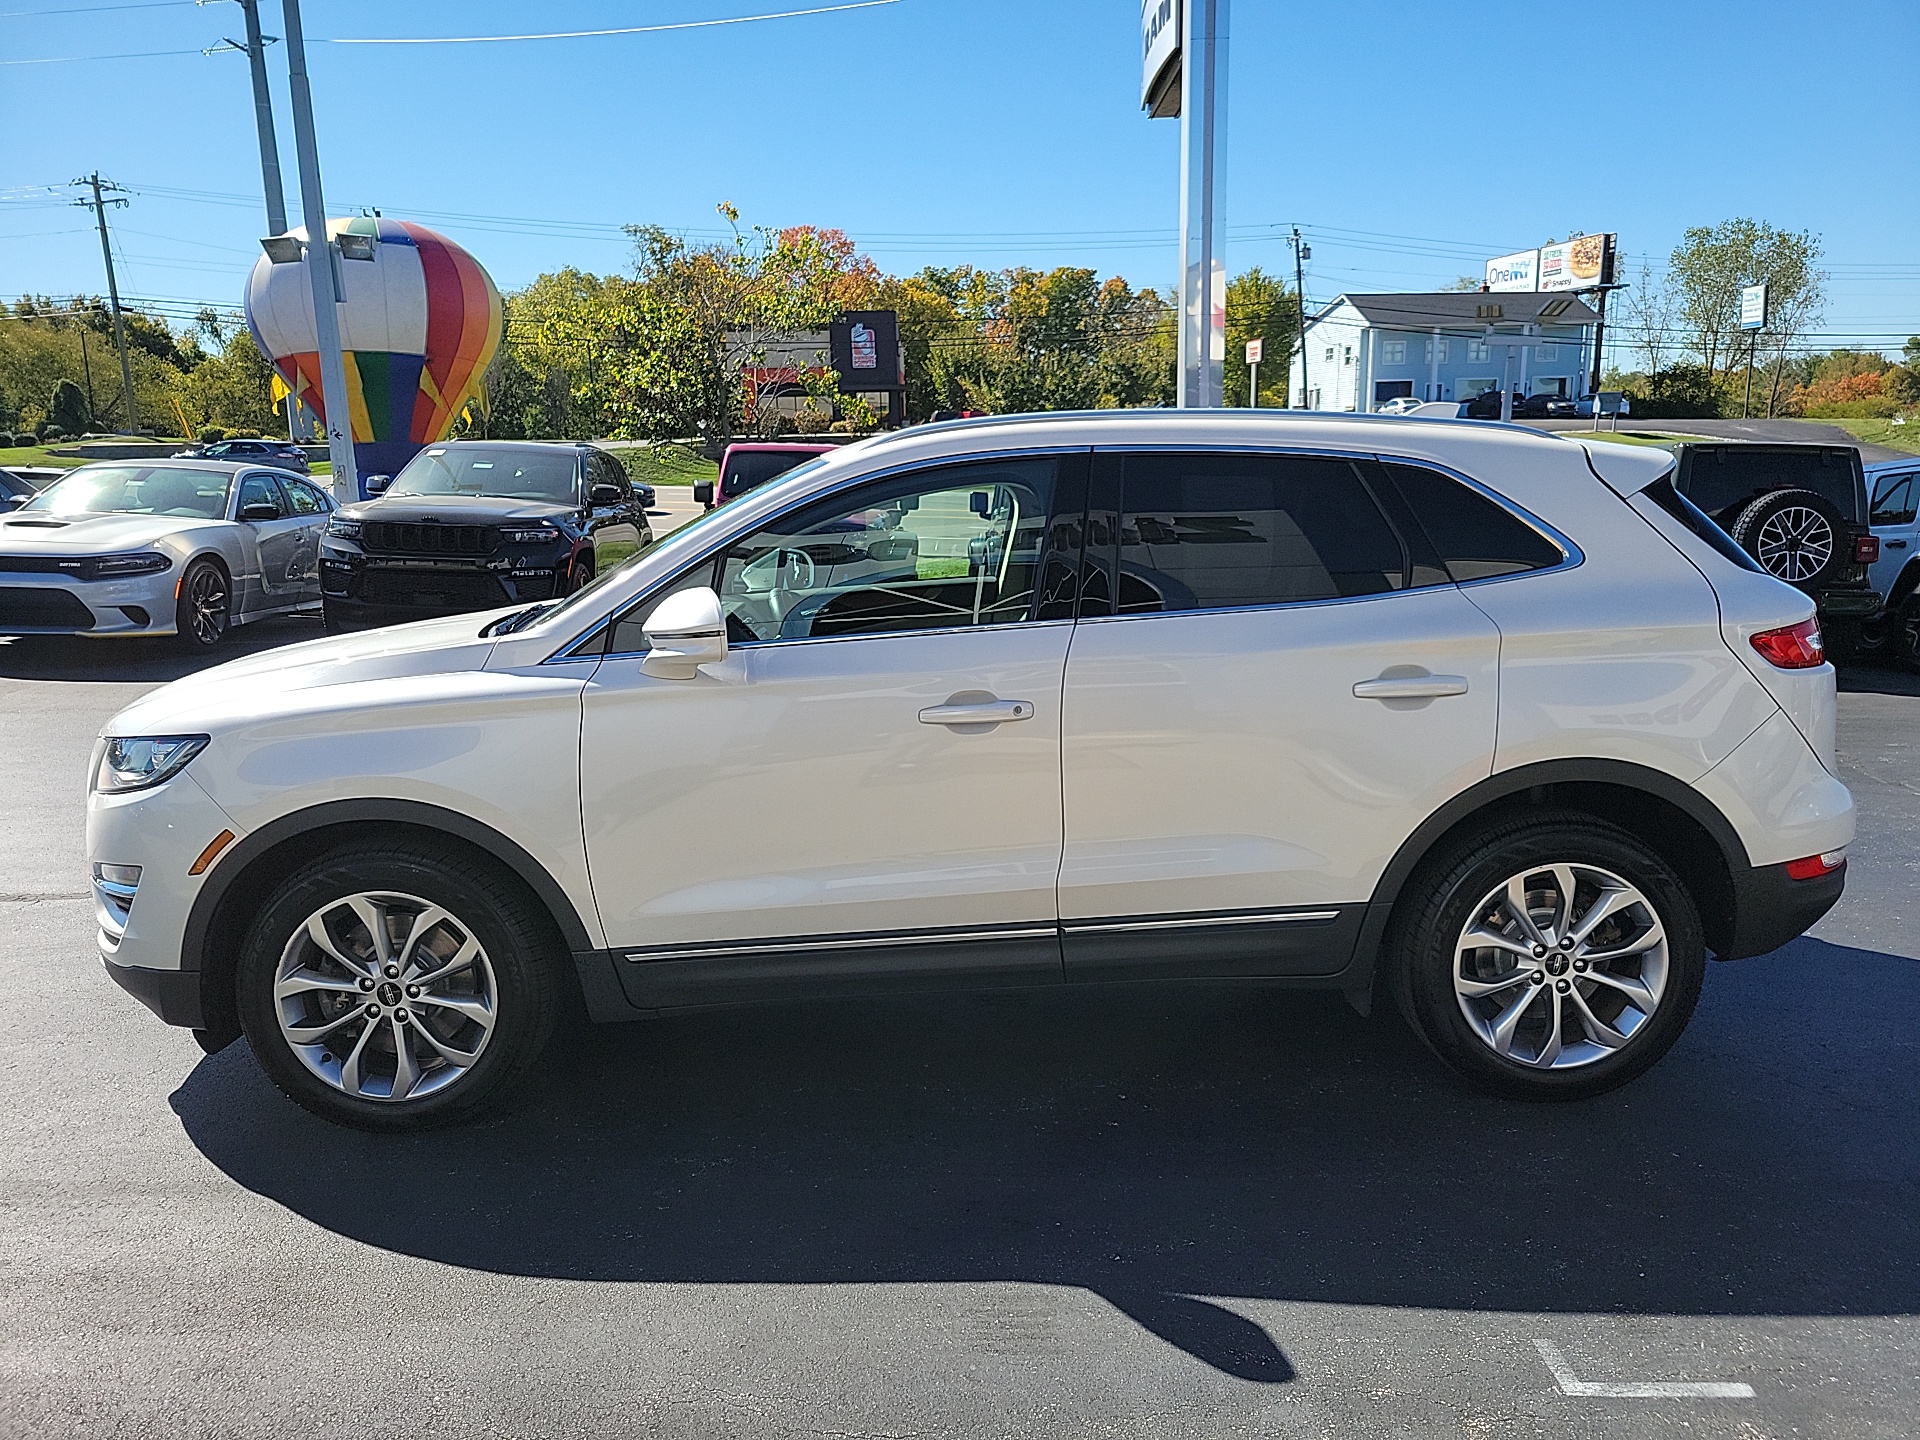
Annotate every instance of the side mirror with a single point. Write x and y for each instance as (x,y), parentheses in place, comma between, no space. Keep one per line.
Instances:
(11,502)
(685,631)
(980,503)
(376,484)
(703,492)
(260,510)
(603,494)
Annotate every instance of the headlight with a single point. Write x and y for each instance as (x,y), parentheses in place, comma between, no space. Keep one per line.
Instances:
(147,562)
(343,529)
(542,536)
(136,763)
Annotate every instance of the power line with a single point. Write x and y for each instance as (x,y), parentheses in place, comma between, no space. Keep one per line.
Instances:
(95,9)
(594,34)
(76,59)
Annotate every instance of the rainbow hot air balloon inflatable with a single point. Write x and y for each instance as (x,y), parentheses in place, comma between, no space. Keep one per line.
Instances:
(419,323)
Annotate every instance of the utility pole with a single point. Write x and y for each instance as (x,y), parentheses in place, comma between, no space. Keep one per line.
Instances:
(322,273)
(99,205)
(256,50)
(1301,251)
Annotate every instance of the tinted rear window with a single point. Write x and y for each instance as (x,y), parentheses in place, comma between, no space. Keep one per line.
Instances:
(1722,479)
(748,468)
(1477,539)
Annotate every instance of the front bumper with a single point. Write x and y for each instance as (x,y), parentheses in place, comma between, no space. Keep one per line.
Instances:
(376,589)
(173,995)
(32,604)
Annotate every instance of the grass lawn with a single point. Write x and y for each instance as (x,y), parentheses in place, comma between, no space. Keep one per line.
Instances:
(1627,437)
(1873,432)
(36,455)
(665,465)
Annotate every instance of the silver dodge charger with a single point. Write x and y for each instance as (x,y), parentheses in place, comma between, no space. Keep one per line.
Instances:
(186,548)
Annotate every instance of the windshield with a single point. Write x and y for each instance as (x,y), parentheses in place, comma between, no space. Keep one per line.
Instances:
(478,470)
(136,490)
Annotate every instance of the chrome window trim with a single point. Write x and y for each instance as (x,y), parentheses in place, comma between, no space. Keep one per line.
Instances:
(566,651)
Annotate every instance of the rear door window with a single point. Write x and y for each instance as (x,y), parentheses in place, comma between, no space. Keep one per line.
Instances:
(1203,530)
(1477,539)
(1894,505)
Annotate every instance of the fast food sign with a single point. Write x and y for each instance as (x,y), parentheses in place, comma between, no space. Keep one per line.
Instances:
(1582,263)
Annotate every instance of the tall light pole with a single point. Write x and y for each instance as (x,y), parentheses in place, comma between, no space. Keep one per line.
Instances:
(1203,155)
(322,271)
(256,48)
(99,205)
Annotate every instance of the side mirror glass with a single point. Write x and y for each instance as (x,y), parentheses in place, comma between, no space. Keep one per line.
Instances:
(703,492)
(376,484)
(685,631)
(603,494)
(260,510)
(980,503)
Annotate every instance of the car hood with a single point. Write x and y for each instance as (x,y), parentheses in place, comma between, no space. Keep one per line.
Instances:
(243,690)
(37,533)
(454,509)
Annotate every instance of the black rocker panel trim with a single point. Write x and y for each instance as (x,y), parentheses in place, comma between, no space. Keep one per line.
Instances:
(1294,943)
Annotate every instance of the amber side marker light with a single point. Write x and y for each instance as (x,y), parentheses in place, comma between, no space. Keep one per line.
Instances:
(211,853)
(1814,866)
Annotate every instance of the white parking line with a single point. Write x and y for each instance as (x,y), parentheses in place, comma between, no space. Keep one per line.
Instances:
(1571,1384)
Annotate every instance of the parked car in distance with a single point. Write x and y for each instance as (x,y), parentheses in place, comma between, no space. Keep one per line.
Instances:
(1895,574)
(282,453)
(1547,407)
(1486,405)
(1490,724)
(188,548)
(1801,512)
(1399,405)
(18,486)
(478,524)
(747,465)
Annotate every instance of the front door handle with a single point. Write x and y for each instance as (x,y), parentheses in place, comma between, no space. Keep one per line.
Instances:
(979,712)
(1410,687)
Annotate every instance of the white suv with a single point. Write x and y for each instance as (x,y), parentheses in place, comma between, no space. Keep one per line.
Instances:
(1488,720)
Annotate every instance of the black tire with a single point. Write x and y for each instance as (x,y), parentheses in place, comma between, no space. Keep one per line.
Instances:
(203,608)
(1795,535)
(1904,639)
(514,979)
(1445,895)
(580,575)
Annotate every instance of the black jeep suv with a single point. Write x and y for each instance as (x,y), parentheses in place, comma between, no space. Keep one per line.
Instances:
(1801,512)
(477,524)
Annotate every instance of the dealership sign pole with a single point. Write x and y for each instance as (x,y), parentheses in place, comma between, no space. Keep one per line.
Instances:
(1184,73)
(1753,319)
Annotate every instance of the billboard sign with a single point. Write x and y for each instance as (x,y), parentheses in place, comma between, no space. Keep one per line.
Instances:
(1582,263)
(1753,307)
(865,350)
(1160,57)
(1514,272)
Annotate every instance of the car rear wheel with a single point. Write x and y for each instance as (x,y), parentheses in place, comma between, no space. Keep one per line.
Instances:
(397,988)
(1905,633)
(1552,958)
(204,606)
(1795,535)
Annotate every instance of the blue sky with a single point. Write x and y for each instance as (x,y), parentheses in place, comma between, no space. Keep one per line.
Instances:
(1409,141)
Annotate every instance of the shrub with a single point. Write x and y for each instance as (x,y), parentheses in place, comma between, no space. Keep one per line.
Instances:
(1680,392)
(210,435)
(243,434)
(22,438)
(53,432)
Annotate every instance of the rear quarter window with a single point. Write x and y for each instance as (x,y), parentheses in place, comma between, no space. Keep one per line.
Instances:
(1476,538)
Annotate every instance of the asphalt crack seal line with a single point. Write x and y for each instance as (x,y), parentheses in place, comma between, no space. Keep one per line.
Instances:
(1570,1384)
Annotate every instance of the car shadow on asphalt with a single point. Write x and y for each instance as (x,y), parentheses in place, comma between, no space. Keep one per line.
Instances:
(131,661)
(1172,1149)
(1862,679)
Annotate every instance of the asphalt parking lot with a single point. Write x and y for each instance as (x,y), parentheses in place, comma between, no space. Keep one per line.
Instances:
(1156,1213)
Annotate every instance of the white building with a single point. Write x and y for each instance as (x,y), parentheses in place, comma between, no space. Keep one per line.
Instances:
(1364,350)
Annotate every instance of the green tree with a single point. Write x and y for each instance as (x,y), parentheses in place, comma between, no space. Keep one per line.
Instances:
(1259,307)
(69,410)
(1708,270)
(232,389)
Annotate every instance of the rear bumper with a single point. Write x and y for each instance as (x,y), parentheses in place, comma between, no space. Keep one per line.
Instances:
(1847,604)
(173,995)
(1771,908)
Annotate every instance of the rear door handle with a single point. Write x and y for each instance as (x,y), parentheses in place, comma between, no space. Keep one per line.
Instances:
(1411,687)
(983,712)
(1896,544)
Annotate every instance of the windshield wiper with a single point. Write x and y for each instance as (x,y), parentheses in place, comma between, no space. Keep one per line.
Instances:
(519,619)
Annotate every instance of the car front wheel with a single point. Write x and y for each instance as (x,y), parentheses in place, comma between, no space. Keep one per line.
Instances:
(204,607)
(397,988)
(1550,958)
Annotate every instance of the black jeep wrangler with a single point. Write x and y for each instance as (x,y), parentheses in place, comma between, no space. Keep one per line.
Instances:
(1801,512)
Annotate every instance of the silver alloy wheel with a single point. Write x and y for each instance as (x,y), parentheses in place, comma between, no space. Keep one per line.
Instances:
(1560,965)
(385,997)
(207,604)
(1795,544)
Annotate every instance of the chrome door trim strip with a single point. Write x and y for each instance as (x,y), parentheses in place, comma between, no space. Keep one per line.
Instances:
(839,942)
(1187,922)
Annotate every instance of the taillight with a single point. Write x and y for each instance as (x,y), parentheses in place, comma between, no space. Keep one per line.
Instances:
(1814,866)
(1866,549)
(1792,647)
